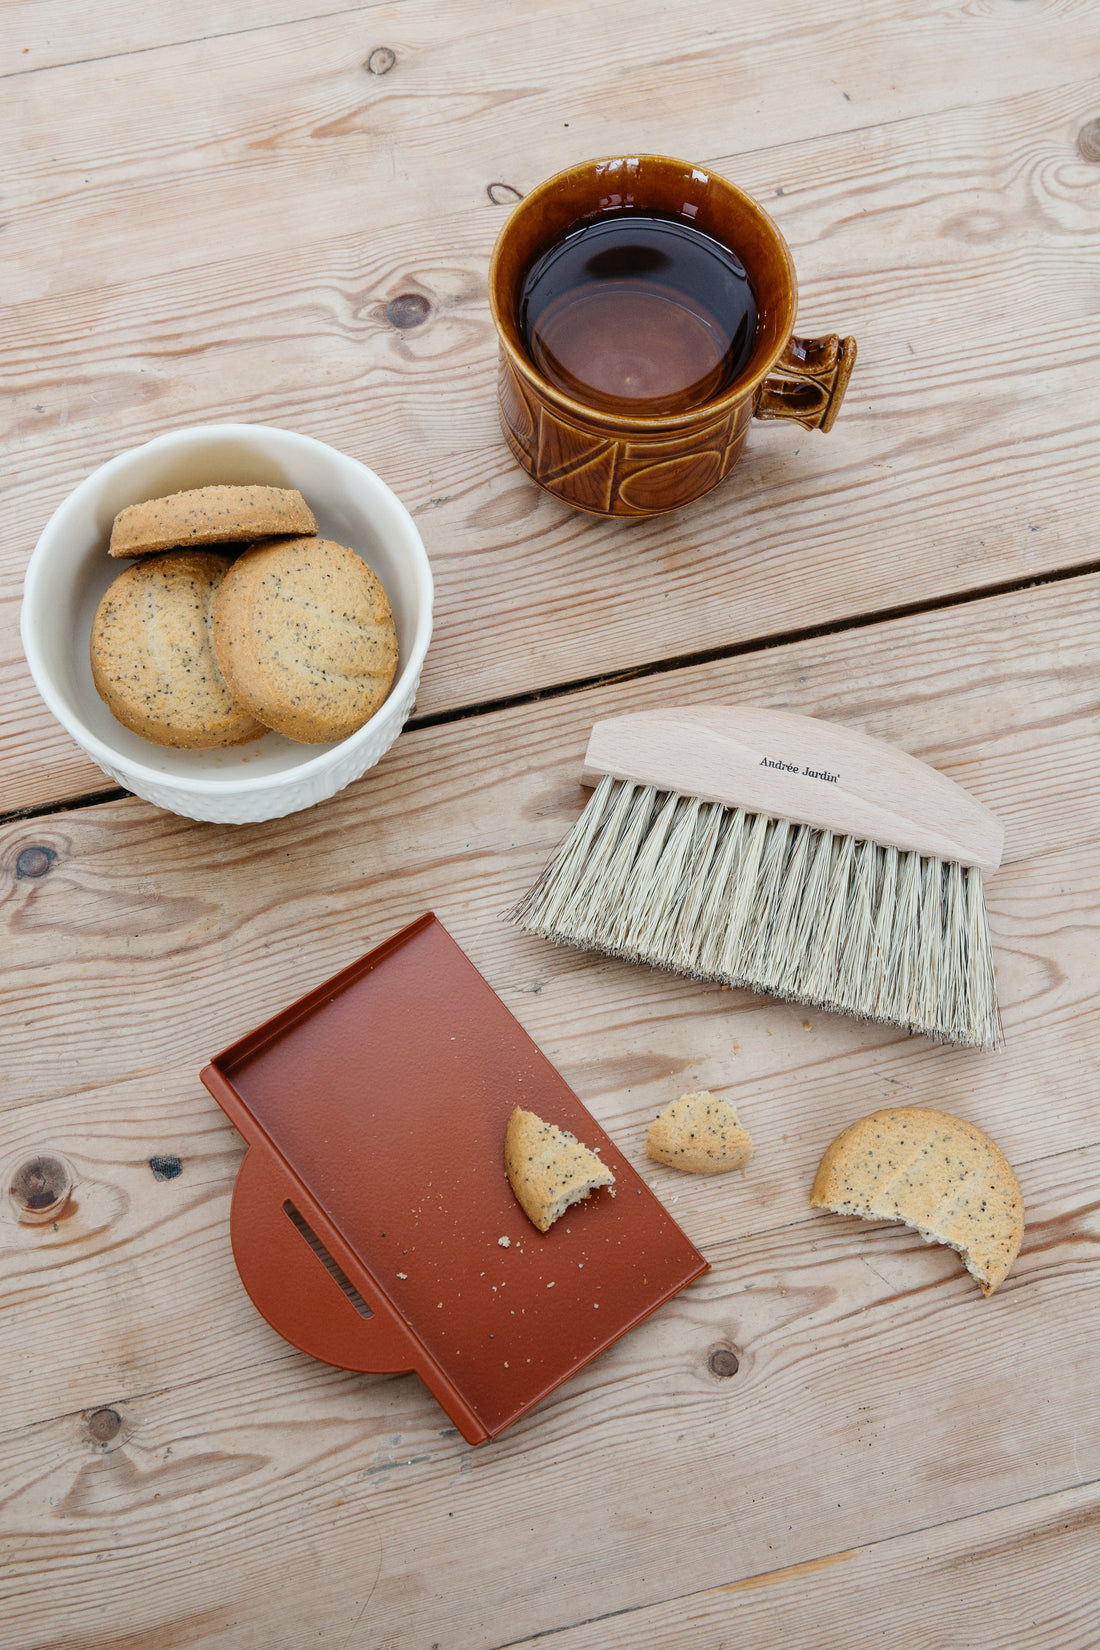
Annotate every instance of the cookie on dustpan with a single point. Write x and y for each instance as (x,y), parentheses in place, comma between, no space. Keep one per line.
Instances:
(548,1168)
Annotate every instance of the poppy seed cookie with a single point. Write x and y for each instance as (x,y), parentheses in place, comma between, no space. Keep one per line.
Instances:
(210,515)
(699,1133)
(304,636)
(548,1168)
(152,658)
(943,1177)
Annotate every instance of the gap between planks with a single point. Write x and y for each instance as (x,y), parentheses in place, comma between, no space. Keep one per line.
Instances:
(198,39)
(715,161)
(791,1572)
(657,667)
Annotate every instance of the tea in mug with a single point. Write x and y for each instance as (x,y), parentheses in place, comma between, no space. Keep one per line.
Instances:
(638,313)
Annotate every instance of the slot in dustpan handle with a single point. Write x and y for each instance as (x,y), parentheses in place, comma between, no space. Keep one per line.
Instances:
(798,768)
(291,1286)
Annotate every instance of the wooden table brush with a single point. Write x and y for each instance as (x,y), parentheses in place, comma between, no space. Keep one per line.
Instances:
(784,854)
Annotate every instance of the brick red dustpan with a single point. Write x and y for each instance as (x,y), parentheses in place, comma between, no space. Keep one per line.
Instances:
(374,1110)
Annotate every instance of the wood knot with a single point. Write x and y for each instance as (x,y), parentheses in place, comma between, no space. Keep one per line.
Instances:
(104,1425)
(1088,141)
(381,60)
(724,1362)
(166,1168)
(502,194)
(34,862)
(409,309)
(40,1188)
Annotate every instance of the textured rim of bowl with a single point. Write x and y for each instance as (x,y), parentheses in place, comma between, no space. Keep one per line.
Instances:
(113,761)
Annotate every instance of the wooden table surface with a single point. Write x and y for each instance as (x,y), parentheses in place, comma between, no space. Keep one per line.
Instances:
(211,212)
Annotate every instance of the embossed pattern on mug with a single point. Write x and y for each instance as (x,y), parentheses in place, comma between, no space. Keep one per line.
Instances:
(640,476)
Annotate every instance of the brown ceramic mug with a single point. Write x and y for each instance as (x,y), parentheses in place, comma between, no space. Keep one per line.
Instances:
(619,462)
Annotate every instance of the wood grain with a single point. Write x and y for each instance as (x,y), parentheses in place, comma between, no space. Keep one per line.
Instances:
(964,456)
(250,1495)
(213,211)
(45,34)
(1019,1576)
(283,1501)
(980,692)
(289,102)
(635,1041)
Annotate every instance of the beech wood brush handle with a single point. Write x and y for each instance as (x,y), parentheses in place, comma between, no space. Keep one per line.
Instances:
(798,768)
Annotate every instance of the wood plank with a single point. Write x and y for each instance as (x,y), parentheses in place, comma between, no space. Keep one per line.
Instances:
(41,34)
(463,816)
(281,1502)
(895,1459)
(294,103)
(162,941)
(48,34)
(634,1041)
(981,691)
(939,477)
(631,1046)
(1007,1580)
(252,1496)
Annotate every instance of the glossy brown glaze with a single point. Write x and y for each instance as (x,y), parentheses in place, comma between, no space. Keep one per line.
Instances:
(613,464)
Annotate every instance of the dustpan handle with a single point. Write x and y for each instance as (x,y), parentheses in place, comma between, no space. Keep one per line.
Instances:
(798,768)
(292,1287)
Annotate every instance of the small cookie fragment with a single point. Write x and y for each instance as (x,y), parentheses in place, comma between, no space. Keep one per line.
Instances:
(548,1168)
(305,638)
(210,515)
(938,1174)
(699,1133)
(153,660)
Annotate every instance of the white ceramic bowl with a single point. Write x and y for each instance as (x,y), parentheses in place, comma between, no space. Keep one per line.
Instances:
(69,570)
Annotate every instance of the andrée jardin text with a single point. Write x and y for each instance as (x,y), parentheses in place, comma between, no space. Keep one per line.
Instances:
(808,773)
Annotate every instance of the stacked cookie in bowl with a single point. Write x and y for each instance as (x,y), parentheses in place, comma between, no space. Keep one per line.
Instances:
(263,647)
(197,647)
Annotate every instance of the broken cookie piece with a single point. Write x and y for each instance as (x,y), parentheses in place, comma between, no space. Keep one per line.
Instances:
(699,1133)
(938,1174)
(548,1168)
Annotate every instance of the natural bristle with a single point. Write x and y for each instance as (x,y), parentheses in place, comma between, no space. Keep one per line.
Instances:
(809,915)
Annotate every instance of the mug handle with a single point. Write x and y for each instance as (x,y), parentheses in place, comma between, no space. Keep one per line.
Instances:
(808,381)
